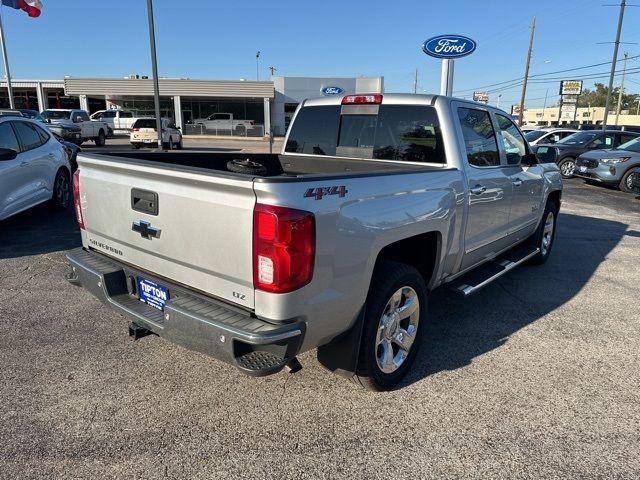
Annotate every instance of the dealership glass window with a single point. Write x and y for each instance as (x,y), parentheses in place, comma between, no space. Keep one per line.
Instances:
(479,137)
(22,98)
(57,99)
(144,106)
(199,108)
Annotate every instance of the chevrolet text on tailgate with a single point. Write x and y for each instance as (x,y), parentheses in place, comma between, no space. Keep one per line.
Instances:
(333,245)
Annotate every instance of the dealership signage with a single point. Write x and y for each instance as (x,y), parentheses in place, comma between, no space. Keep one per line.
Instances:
(449,46)
(570,87)
(570,90)
(481,97)
(332,90)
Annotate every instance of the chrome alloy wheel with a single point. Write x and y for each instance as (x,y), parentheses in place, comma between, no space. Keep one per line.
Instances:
(547,234)
(568,168)
(397,329)
(630,181)
(62,190)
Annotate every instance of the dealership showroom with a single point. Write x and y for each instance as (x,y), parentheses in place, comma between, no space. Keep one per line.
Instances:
(269,105)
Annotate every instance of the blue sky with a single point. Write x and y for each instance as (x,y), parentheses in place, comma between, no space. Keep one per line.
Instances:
(218,40)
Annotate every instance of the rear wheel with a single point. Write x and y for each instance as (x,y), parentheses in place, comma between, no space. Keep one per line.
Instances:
(394,322)
(61,191)
(179,144)
(545,235)
(626,184)
(567,167)
(241,130)
(100,139)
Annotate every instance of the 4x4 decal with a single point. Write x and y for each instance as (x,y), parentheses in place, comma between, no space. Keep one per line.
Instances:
(319,192)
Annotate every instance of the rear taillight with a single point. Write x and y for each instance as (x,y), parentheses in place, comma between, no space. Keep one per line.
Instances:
(374,98)
(283,248)
(76,199)
(135,129)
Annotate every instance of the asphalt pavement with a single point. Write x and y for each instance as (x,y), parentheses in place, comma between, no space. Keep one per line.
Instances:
(536,376)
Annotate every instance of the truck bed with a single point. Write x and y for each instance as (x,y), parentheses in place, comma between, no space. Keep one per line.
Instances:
(284,166)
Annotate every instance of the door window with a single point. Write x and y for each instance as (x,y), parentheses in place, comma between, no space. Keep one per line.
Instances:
(603,141)
(624,138)
(109,114)
(479,137)
(126,115)
(514,142)
(8,137)
(28,136)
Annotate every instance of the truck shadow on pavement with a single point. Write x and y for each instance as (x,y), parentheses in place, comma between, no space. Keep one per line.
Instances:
(37,231)
(459,330)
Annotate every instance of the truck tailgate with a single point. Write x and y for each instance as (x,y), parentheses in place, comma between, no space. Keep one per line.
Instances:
(203,226)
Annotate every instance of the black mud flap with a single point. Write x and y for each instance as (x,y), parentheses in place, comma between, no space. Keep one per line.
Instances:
(341,354)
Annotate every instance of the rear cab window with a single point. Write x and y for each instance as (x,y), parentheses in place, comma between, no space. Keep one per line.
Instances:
(388,132)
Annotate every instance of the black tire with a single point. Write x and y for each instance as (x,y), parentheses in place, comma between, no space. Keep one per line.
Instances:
(540,239)
(165,146)
(100,139)
(388,279)
(170,144)
(241,130)
(247,167)
(626,182)
(135,147)
(567,166)
(61,197)
(179,144)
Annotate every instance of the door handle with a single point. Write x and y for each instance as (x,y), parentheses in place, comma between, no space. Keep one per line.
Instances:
(517,182)
(478,189)
(24,164)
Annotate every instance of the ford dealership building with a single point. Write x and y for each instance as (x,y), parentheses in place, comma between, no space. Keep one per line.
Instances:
(268,104)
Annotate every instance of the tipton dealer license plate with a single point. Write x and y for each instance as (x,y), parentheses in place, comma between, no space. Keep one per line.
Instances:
(152,294)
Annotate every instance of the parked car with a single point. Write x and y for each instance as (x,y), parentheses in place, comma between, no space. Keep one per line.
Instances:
(335,244)
(611,167)
(72,151)
(144,134)
(89,130)
(33,114)
(548,135)
(635,183)
(225,123)
(116,119)
(529,128)
(33,167)
(571,147)
(9,112)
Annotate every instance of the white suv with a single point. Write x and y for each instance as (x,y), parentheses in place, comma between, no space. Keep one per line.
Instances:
(144,134)
(548,135)
(34,167)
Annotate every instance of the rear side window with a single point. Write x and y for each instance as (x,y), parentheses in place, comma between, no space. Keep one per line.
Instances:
(109,114)
(8,137)
(126,115)
(28,135)
(44,135)
(514,143)
(315,131)
(410,133)
(479,137)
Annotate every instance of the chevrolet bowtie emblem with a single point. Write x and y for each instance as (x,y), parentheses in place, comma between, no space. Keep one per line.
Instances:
(145,229)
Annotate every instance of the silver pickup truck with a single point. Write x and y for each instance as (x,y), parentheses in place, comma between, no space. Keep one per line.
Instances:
(335,244)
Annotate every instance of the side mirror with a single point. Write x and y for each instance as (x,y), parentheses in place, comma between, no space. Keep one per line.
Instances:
(7,154)
(48,120)
(544,155)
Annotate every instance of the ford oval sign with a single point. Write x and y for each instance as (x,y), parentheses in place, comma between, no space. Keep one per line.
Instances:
(332,90)
(449,46)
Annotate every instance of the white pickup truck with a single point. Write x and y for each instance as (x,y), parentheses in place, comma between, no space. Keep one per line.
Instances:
(89,129)
(335,244)
(224,123)
(116,119)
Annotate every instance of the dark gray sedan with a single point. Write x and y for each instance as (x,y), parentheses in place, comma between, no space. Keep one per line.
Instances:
(612,166)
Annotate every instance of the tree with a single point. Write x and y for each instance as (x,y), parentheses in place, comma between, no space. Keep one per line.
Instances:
(597,97)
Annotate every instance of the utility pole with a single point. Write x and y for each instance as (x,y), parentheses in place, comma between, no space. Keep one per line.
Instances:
(273,70)
(526,71)
(415,83)
(6,64)
(258,66)
(616,44)
(624,71)
(154,67)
